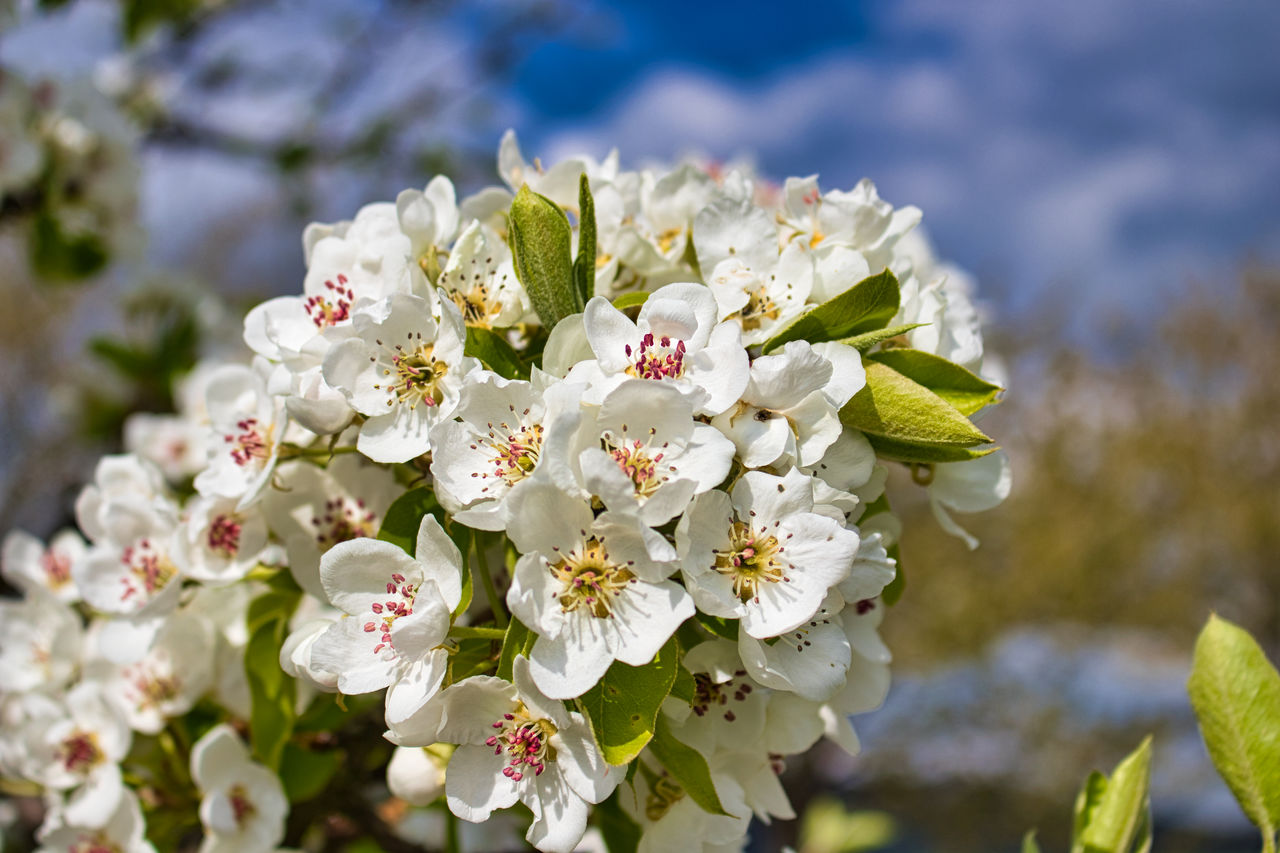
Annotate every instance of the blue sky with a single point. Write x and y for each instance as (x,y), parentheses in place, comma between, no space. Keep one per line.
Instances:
(1112,149)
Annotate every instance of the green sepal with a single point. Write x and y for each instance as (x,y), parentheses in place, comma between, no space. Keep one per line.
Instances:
(864,307)
(687,767)
(624,705)
(584,266)
(496,352)
(1235,692)
(541,244)
(959,386)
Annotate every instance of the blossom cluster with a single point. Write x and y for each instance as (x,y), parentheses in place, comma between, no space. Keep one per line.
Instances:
(586,474)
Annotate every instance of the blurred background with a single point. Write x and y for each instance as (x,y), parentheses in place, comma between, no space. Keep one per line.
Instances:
(1109,171)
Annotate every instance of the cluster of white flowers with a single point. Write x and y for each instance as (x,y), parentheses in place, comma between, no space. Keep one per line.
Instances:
(68,173)
(610,530)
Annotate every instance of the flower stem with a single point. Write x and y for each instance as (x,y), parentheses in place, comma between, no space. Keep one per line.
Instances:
(466,632)
(490,591)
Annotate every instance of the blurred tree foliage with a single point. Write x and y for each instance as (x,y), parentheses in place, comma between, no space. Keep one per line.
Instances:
(1146,492)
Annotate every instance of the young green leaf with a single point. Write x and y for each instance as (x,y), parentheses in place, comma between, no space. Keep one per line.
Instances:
(621,833)
(960,387)
(1235,692)
(271,691)
(902,451)
(404,517)
(893,591)
(306,773)
(687,767)
(631,300)
(496,353)
(519,641)
(1110,813)
(905,412)
(1029,844)
(865,307)
(867,340)
(623,706)
(584,266)
(541,241)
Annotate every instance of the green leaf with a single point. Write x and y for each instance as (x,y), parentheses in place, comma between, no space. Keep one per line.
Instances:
(893,590)
(867,340)
(1235,692)
(684,687)
(687,767)
(519,641)
(305,773)
(621,833)
(496,353)
(631,300)
(623,706)
(721,627)
(404,517)
(1029,844)
(271,691)
(902,451)
(1110,813)
(61,256)
(865,307)
(540,239)
(474,656)
(960,387)
(584,267)
(897,408)
(1086,802)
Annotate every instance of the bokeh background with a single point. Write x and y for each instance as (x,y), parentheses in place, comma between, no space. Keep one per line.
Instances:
(1109,171)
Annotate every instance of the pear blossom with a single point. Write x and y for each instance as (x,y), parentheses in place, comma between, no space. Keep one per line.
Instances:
(78,748)
(243,806)
(589,587)
(858,218)
(811,659)
(397,613)
(670,820)
(728,706)
(515,744)
(495,440)
(416,774)
(754,285)
(675,339)
(216,542)
(403,370)
(312,509)
(641,452)
(247,426)
(761,554)
(40,643)
(124,831)
(480,278)
(29,565)
(972,486)
(789,411)
(429,218)
(168,680)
